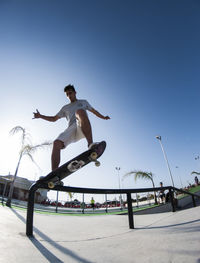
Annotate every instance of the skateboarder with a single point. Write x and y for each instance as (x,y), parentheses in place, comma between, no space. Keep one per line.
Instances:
(79,125)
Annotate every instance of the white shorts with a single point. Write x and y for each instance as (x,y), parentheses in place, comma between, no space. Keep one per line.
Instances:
(72,134)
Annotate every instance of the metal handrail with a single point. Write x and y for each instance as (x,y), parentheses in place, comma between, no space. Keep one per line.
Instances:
(128,192)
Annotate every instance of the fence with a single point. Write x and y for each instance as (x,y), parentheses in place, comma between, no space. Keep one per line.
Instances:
(128,192)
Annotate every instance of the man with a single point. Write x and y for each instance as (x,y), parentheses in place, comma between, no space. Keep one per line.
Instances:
(92,203)
(162,193)
(79,125)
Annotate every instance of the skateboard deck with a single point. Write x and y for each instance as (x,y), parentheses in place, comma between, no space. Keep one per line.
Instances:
(55,177)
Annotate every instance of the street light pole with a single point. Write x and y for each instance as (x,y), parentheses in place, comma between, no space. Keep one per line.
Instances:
(165,156)
(118,169)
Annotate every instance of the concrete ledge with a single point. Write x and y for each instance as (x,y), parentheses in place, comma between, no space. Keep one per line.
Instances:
(154,210)
(182,203)
(187,200)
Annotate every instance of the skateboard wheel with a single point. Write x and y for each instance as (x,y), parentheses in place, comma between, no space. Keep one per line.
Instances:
(51,185)
(93,155)
(97,163)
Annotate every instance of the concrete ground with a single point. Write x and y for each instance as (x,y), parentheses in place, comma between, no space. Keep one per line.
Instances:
(162,237)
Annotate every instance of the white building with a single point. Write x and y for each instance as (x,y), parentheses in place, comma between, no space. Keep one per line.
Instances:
(21,188)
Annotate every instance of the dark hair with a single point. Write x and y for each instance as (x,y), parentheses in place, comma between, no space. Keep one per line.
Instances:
(69,87)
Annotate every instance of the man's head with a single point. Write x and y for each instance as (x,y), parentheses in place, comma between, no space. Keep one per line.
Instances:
(69,87)
(70,92)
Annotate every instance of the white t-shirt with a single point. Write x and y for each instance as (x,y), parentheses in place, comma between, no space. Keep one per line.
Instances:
(68,111)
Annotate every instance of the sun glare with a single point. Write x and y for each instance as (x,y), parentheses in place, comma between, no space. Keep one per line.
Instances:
(9,155)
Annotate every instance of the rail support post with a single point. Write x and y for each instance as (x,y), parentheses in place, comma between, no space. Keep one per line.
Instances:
(30,210)
(193,200)
(130,211)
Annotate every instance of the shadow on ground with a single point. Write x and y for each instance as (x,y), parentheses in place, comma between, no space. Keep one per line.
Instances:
(44,251)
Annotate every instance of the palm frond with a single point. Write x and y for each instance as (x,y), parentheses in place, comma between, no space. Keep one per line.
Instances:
(140,174)
(195,173)
(31,149)
(143,175)
(17,129)
(31,157)
(25,150)
(25,138)
(41,146)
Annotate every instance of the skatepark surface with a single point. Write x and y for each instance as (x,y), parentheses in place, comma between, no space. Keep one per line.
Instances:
(161,237)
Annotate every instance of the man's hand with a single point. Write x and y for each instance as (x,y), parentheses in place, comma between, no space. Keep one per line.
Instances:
(98,114)
(36,114)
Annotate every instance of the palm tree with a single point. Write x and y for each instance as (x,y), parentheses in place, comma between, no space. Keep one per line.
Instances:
(26,149)
(143,175)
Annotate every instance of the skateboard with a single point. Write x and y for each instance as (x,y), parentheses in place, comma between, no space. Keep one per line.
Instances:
(55,177)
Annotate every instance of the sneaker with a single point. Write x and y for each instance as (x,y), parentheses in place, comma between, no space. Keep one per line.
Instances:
(92,145)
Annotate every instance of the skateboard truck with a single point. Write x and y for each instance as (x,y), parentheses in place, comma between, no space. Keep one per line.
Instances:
(93,158)
(52,184)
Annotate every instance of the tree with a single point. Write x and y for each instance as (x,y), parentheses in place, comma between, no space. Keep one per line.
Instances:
(26,149)
(143,175)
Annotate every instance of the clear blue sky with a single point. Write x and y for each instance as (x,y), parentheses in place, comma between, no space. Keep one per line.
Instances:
(136,61)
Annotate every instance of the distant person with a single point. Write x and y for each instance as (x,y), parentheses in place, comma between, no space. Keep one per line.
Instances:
(92,202)
(162,194)
(196,180)
(167,197)
(78,124)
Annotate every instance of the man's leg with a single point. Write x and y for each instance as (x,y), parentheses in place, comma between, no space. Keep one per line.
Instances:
(82,117)
(55,156)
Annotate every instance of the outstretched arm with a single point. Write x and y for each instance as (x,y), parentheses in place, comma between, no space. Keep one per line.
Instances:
(95,112)
(37,115)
